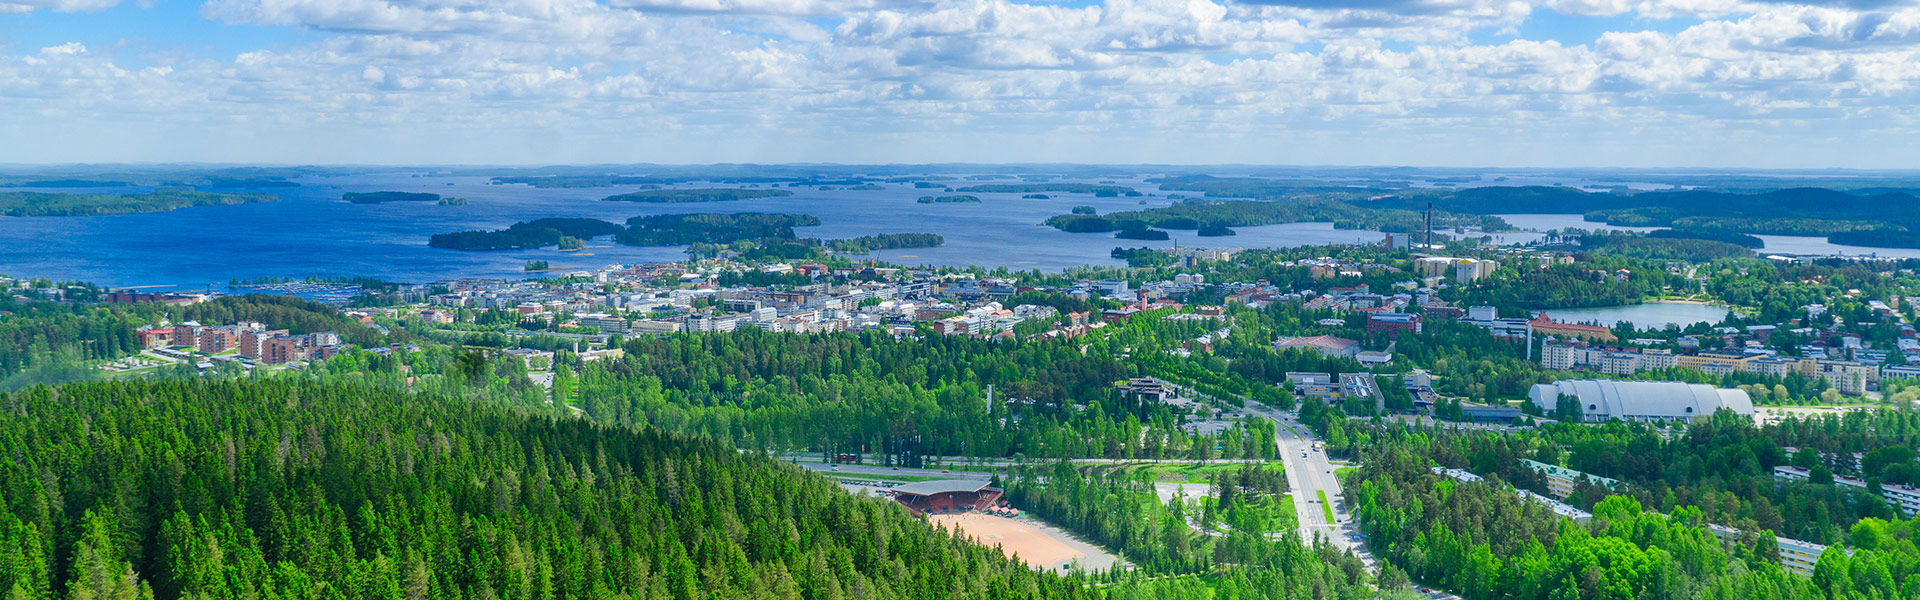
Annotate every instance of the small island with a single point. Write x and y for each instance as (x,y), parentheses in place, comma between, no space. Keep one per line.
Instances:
(380,197)
(1037,197)
(42,204)
(947,199)
(523,235)
(697,195)
(453,201)
(1216,230)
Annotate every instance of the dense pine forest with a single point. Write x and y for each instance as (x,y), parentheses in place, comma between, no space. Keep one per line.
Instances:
(1488,543)
(251,489)
(844,391)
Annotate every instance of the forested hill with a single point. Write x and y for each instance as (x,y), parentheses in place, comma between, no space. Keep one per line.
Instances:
(275,489)
(1793,202)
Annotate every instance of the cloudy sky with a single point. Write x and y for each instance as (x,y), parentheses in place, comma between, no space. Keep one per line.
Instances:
(1715,83)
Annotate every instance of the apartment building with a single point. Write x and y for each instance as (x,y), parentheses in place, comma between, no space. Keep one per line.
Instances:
(1561,481)
(1573,354)
(1849,377)
(1906,498)
(1797,556)
(1715,362)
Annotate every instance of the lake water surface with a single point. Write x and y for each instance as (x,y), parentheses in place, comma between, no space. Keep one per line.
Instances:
(312,232)
(1654,315)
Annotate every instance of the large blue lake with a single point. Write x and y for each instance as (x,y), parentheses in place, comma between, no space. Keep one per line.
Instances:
(312,232)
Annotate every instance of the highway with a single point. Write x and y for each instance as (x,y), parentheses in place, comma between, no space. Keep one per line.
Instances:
(1307,477)
(1310,473)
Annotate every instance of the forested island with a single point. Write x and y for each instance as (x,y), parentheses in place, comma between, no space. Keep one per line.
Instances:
(948,199)
(699,195)
(886,241)
(1218,215)
(710,228)
(1103,191)
(754,235)
(41,204)
(525,234)
(379,197)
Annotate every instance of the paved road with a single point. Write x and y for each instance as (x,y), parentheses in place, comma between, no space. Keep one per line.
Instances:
(1312,474)
(1309,473)
(853,471)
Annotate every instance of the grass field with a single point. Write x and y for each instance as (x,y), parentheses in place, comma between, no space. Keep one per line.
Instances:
(1325,509)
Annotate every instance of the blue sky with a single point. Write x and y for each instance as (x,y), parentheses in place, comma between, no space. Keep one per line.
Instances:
(1712,83)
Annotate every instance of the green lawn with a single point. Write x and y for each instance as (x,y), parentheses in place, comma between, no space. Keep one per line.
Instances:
(1325,509)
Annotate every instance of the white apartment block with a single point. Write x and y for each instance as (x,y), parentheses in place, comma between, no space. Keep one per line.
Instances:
(1568,356)
(1905,498)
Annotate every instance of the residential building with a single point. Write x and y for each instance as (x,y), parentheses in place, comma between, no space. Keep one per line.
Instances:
(1905,498)
(1849,377)
(1469,270)
(1561,481)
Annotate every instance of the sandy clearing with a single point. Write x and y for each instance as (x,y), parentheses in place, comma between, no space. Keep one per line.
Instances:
(1022,541)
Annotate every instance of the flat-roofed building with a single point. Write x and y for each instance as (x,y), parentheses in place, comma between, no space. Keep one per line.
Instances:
(1561,481)
(1393,323)
(1847,376)
(1726,362)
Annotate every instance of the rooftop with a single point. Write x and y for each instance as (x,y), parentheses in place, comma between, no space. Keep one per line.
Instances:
(940,486)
